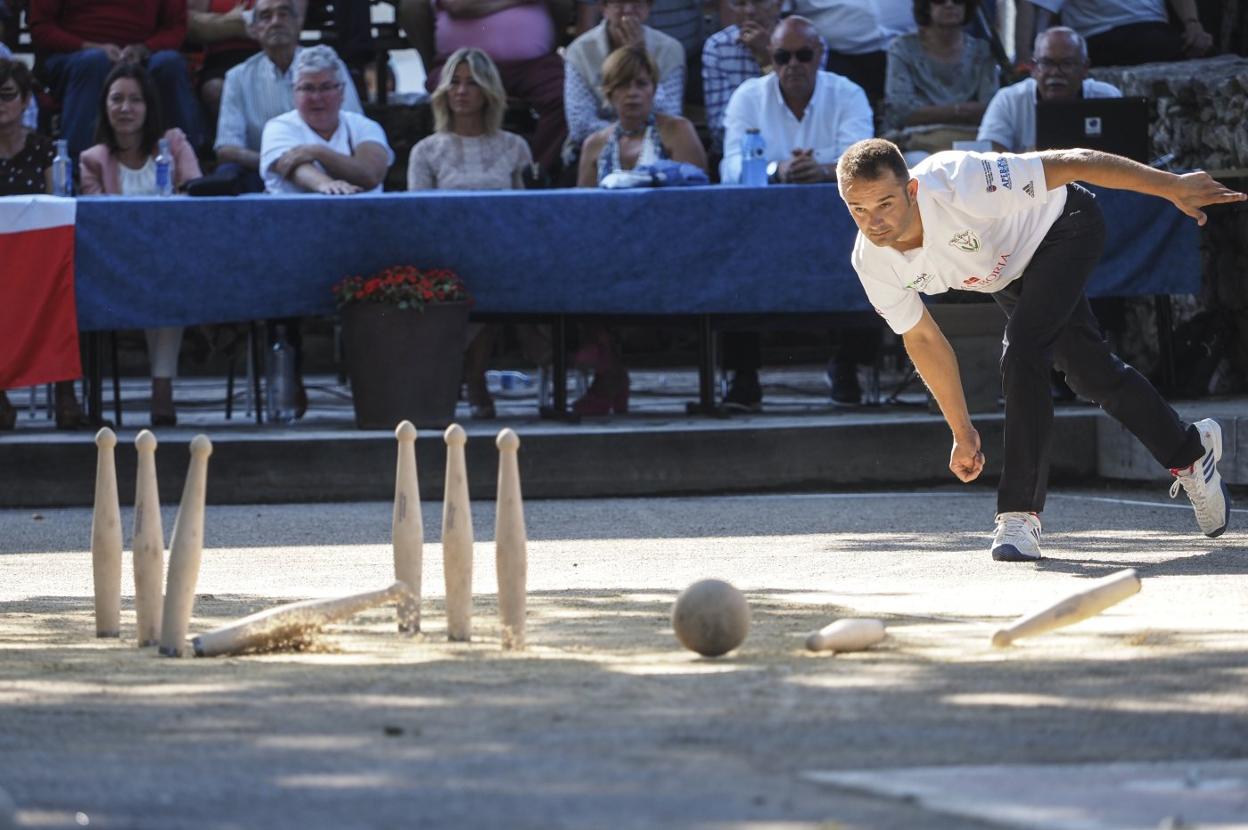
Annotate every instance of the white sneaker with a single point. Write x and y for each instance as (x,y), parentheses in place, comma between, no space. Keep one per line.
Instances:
(1203,483)
(1017,538)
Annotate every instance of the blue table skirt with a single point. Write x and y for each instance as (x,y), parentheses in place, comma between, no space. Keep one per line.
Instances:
(144,262)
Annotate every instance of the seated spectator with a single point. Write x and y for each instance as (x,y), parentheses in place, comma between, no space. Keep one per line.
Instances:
(519,36)
(30,115)
(1060,72)
(129,127)
(317,147)
(735,54)
(26,167)
(681,19)
(807,117)
(584,104)
(262,88)
(639,136)
(220,27)
(940,79)
(78,43)
(1122,32)
(857,34)
(469,150)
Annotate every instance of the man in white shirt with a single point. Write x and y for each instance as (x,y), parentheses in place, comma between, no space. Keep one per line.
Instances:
(1020,229)
(1060,73)
(316,147)
(807,117)
(858,34)
(261,88)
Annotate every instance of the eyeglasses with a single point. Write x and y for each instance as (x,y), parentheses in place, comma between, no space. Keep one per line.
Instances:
(783,56)
(1065,67)
(10,95)
(946,2)
(318,89)
(751,4)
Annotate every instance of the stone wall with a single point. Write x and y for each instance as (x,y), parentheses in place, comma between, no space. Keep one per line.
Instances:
(1200,108)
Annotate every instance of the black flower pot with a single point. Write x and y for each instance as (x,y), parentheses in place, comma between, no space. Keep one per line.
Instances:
(404,364)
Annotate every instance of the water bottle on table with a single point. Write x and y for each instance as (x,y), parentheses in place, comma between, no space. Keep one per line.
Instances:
(164,169)
(753,159)
(62,170)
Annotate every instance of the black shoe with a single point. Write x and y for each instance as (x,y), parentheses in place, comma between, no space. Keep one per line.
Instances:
(744,393)
(843,378)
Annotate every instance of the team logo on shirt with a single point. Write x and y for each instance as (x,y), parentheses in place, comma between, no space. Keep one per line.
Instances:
(919,283)
(1003,169)
(1029,190)
(983,282)
(965,241)
(988,179)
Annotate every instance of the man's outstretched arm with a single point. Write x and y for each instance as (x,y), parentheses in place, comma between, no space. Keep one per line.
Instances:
(1189,192)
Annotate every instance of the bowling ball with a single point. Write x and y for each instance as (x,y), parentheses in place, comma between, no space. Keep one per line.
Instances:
(711,617)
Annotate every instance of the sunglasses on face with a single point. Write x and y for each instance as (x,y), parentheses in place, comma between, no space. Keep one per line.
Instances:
(8,95)
(947,2)
(783,56)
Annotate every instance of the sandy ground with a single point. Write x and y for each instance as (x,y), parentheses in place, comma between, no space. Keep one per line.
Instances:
(604,721)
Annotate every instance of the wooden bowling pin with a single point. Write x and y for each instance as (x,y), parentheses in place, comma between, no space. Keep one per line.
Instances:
(457,538)
(185,551)
(290,624)
(1088,602)
(149,544)
(106,538)
(846,635)
(511,555)
(408,531)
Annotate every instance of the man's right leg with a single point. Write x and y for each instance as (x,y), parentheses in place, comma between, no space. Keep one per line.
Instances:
(77,79)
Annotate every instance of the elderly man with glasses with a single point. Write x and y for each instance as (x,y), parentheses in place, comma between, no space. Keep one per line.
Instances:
(807,117)
(1060,73)
(318,147)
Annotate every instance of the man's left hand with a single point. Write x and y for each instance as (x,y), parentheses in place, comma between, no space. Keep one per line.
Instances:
(803,169)
(337,187)
(1192,191)
(1196,41)
(135,53)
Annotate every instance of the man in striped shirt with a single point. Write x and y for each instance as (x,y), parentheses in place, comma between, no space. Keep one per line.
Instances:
(735,54)
(261,88)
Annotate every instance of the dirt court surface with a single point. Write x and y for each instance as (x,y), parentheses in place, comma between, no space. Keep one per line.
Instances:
(604,721)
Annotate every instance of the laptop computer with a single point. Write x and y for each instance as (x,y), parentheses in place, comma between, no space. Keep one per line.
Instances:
(1115,125)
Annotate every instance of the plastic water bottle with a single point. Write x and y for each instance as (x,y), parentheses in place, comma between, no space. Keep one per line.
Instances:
(164,169)
(753,159)
(507,381)
(62,170)
(280,377)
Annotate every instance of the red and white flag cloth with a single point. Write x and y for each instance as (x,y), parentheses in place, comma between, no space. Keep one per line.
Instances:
(38,318)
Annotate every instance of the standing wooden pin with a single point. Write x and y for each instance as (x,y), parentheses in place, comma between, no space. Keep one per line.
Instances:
(408,529)
(149,543)
(510,550)
(457,538)
(106,539)
(185,551)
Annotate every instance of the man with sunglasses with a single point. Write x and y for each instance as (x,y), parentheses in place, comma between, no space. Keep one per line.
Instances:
(1060,73)
(807,117)
(1020,229)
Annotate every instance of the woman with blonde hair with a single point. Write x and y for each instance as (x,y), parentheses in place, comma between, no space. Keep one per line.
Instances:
(469,150)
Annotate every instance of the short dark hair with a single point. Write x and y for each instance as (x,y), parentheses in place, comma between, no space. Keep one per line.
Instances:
(870,159)
(17,72)
(923,11)
(153,120)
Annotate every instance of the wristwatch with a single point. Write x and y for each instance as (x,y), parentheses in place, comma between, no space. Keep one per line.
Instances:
(773,172)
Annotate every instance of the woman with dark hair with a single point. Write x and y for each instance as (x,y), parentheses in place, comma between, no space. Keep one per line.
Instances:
(939,79)
(128,130)
(25,168)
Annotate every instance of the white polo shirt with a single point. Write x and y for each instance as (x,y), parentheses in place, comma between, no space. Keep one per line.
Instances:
(984,215)
(858,27)
(838,115)
(288,130)
(1010,119)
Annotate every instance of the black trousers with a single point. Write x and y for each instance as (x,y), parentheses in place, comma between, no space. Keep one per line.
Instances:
(1051,326)
(1135,43)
